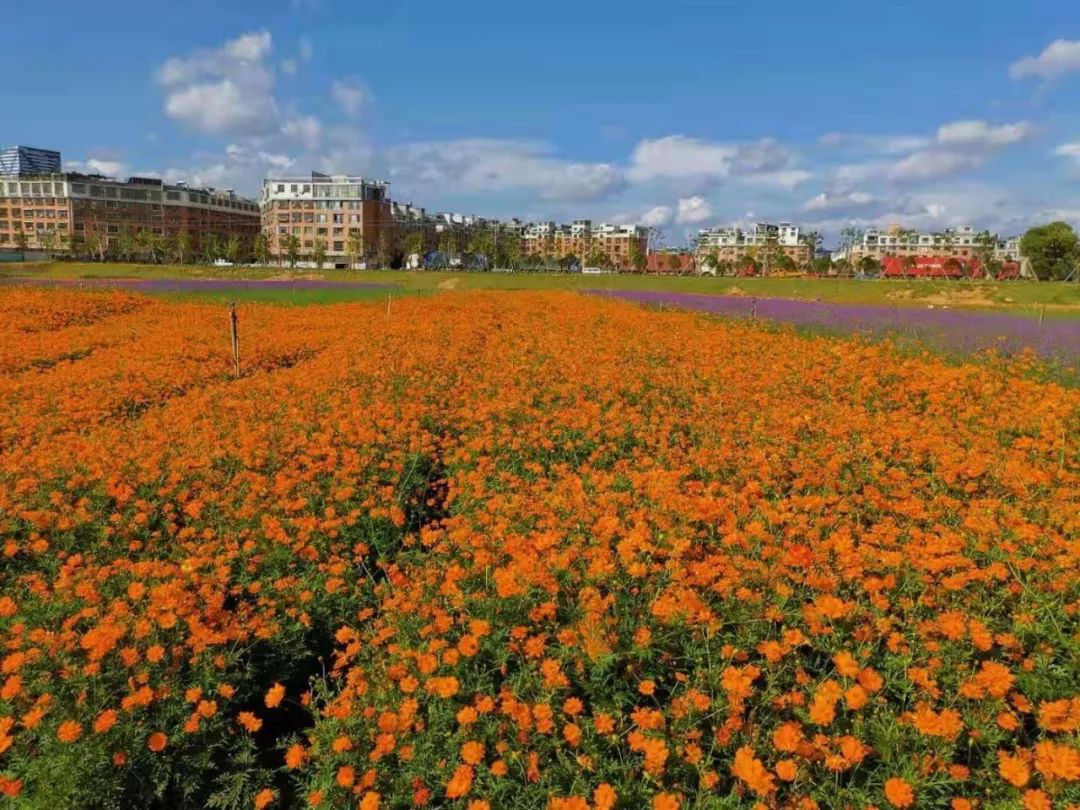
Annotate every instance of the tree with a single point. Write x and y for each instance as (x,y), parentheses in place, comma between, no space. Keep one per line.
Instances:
(386,249)
(1053,249)
(233,248)
(319,254)
(354,247)
(128,244)
(292,249)
(22,242)
(869,266)
(596,258)
(638,260)
(182,241)
(48,242)
(211,247)
(568,261)
(821,265)
(262,249)
(413,243)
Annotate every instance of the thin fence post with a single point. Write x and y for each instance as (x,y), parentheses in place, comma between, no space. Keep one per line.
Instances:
(234,329)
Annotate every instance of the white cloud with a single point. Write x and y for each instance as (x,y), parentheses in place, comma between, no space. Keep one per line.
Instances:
(109,168)
(881,144)
(980,134)
(677,156)
(221,108)
(1069,150)
(656,217)
(307,49)
(492,165)
(787,179)
(223,91)
(249,47)
(693,210)
(305,129)
(1060,57)
(351,95)
(930,165)
(830,202)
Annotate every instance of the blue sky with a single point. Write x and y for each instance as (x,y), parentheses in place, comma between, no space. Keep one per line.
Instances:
(682,114)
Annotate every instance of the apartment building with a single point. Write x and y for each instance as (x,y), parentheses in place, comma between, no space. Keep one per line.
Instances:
(729,244)
(617,244)
(337,211)
(26,161)
(963,243)
(90,214)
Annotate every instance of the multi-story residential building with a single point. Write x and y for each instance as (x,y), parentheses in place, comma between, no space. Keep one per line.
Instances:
(91,215)
(729,244)
(616,244)
(24,161)
(338,211)
(962,243)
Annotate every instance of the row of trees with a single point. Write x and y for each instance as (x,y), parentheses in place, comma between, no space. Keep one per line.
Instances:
(147,246)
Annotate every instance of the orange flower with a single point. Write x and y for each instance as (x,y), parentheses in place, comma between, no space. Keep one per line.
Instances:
(472,752)
(249,721)
(899,793)
(105,721)
(157,741)
(69,731)
(264,798)
(604,797)
(346,776)
(665,801)
(274,696)
(460,783)
(369,801)
(787,770)
(1013,770)
(296,756)
(750,770)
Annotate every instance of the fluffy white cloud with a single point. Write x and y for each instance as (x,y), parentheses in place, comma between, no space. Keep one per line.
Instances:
(693,210)
(677,156)
(221,108)
(980,134)
(786,179)
(305,129)
(930,165)
(224,91)
(1059,57)
(881,144)
(249,47)
(109,168)
(1069,150)
(492,165)
(830,202)
(656,217)
(351,95)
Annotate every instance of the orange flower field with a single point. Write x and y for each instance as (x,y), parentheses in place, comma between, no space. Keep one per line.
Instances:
(525,550)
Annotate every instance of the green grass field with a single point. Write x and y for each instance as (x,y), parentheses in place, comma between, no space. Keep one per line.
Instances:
(1060,299)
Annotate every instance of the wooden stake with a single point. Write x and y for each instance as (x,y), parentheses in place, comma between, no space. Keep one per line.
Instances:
(234,329)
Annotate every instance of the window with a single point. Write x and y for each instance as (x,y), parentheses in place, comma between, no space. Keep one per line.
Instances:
(114,229)
(339,247)
(292,188)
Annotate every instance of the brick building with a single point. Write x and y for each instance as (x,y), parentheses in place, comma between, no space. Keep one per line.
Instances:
(345,213)
(92,215)
(730,244)
(616,244)
(962,243)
